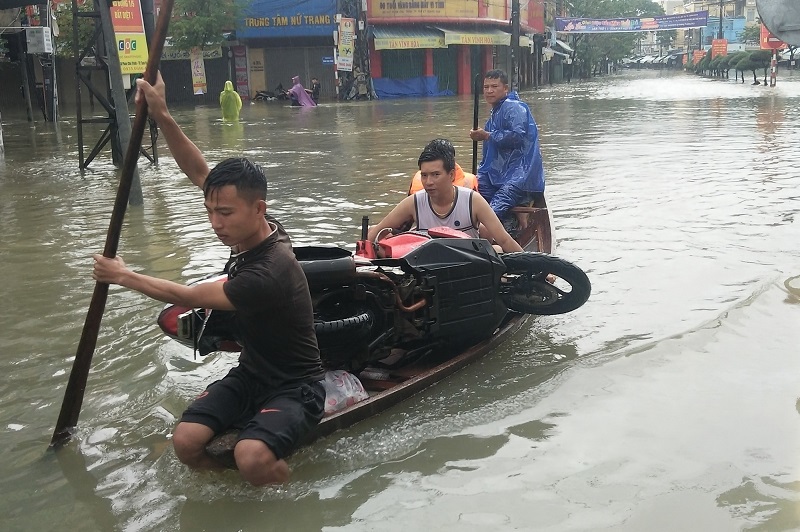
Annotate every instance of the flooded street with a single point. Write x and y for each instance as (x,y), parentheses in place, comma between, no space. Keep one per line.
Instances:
(670,401)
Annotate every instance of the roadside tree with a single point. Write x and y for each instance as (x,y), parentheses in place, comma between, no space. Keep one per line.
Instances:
(750,34)
(203,23)
(595,48)
(762,59)
(63,42)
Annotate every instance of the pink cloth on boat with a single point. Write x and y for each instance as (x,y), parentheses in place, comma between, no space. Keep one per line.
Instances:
(303,98)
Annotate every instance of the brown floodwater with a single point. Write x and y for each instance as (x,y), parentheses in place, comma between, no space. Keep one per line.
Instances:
(670,401)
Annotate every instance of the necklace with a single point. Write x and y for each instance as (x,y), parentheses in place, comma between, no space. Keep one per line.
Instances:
(449,209)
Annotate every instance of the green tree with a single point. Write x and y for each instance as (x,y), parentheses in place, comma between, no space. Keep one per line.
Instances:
(745,64)
(732,60)
(762,59)
(750,34)
(595,48)
(202,23)
(63,43)
(704,64)
(715,65)
(666,38)
(759,59)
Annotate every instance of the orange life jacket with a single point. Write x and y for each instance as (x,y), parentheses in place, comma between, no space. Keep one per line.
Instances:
(462,179)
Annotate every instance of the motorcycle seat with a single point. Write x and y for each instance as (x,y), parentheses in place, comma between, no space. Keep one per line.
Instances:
(326,266)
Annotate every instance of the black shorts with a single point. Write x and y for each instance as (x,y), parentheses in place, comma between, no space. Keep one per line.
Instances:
(278,418)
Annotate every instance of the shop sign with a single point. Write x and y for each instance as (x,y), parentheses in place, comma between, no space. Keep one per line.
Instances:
(267,18)
(406,43)
(198,72)
(170,54)
(347,33)
(240,67)
(422,8)
(126,18)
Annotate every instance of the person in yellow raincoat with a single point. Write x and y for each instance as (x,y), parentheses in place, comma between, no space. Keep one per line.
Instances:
(231,102)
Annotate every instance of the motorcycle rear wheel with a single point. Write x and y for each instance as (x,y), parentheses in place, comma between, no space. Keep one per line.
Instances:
(525,288)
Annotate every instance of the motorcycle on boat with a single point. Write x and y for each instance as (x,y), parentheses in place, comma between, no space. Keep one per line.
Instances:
(419,294)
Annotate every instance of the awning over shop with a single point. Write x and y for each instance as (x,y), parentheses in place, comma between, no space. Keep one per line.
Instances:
(564,46)
(550,52)
(487,36)
(402,37)
(407,37)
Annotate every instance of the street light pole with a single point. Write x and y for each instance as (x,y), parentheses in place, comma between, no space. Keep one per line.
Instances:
(515,14)
(720,35)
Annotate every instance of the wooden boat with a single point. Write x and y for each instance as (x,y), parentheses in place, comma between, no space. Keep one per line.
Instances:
(403,383)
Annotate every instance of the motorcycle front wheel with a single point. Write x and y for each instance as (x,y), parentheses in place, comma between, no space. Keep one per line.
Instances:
(525,287)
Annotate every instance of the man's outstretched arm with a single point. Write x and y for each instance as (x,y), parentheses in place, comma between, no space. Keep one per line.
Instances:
(185,152)
(202,295)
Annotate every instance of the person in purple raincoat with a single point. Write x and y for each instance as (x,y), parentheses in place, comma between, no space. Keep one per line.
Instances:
(300,94)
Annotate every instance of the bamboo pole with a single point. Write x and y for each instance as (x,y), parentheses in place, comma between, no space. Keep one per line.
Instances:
(476,88)
(73,396)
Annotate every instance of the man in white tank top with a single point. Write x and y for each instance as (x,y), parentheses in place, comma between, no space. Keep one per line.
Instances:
(443,204)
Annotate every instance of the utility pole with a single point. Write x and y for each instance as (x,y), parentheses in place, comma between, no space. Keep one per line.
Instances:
(48,62)
(122,115)
(720,35)
(514,44)
(26,76)
(118,121)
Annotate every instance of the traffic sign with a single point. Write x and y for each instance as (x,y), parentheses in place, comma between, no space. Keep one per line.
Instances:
(769,41)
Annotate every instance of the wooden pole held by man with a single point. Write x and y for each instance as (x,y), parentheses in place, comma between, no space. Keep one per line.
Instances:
(76,386)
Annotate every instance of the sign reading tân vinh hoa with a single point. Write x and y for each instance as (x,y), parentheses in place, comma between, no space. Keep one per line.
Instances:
(285,18)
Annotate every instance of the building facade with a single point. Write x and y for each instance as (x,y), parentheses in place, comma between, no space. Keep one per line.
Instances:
(438,45)
(445,43)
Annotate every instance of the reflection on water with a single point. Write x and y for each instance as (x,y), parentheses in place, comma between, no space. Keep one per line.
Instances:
(670,394)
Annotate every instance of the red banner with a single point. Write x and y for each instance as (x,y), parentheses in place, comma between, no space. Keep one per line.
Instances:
(126,16)
(242,77)
(719,47)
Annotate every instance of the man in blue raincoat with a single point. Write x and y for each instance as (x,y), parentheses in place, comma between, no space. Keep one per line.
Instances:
(511,170)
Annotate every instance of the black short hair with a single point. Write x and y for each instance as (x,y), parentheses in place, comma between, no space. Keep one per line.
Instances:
(439,150)
(497,74)
(248,178)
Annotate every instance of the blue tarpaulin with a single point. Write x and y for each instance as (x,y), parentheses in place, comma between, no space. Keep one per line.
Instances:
(399,88)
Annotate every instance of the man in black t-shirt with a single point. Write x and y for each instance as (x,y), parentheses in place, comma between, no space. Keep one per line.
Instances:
(274,396)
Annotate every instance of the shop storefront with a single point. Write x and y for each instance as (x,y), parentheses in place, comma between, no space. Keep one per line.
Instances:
(285,39)
(429,48)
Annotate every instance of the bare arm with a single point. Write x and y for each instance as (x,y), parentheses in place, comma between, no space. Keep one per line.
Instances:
(185,152)
(399,217)
(493,225)
(202,295)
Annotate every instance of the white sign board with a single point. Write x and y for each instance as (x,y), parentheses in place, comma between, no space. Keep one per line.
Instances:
(346,37)
(39,40)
